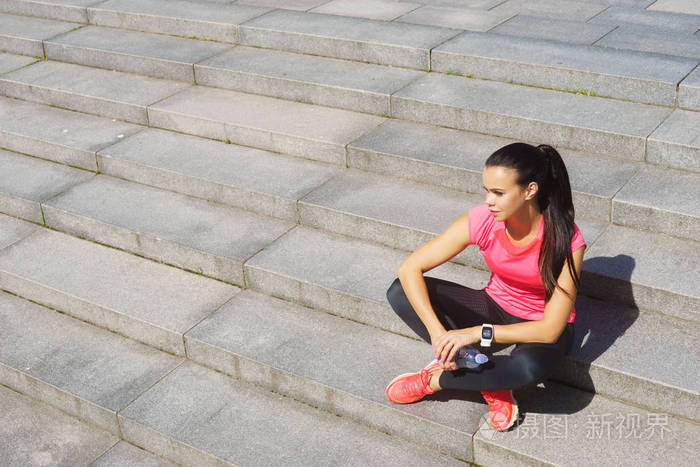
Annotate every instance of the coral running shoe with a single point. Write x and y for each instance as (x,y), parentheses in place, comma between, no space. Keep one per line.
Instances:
(411,387)
(503,409)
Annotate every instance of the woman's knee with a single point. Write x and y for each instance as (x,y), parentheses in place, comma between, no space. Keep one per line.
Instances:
(533,368)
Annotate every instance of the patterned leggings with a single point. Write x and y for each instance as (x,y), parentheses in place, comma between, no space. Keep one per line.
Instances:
(457,307)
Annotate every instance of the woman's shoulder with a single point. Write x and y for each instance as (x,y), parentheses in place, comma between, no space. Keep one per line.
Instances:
(577,240)
(481,223)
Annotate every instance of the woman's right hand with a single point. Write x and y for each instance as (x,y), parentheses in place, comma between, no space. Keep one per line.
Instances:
(445,366)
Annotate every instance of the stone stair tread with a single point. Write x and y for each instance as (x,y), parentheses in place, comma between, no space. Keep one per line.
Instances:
(676,142)
(575,32)
(388,43)
(636,76)
(567,427)
(293,128)
(24,35)
(556,9)
(26,182)
(124,453)
(472,19)
(194,234)
(149,54)
(147,301)
(599,125)
(620,15)
(63,136)
(13,230)
(370,9)
(85,371)
(93,90)
(455,159)
(249,178)
(676,6)
(689,91)
(661,200)
(318,80)
(201,19)
(641,38)
(196,416)
(649,270)
(40,434)
(11,62)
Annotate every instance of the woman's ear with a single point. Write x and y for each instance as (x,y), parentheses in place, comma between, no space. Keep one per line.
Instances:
(531,190)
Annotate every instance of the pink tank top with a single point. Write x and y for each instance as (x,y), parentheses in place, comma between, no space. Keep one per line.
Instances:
(515,283)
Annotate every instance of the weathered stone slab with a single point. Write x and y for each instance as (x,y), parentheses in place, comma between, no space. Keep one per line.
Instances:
(676,142)
(202,20)
(26,182)
(24,35)
(645,39)
(565,426)
(197,416)
(480,4)
(36,434)
(574,32)
(68,137)
(643,269)
(65,10)
(293,128)
(333,364)
(252,179)
(635,76)
(85,371)
(686,7)
(661,200)
(558,9)
(689,91)
(370,9)
(10,62)
(103,92)
(352,285)
(386,43)
(618,16)
(147,54)
(457,18)
(316,80)
(13,230)
(605,359)
(132,296)
(300,5)
(194,234)
(128,454)
(599,125)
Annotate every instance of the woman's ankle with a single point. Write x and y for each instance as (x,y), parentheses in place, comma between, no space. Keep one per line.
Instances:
(434,383)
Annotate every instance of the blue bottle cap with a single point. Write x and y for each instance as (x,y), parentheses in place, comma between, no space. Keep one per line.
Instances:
(481,358)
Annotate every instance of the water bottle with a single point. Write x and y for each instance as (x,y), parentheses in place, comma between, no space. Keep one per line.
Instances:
(468,357)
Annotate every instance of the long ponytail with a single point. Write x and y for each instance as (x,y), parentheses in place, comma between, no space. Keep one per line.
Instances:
(544,165)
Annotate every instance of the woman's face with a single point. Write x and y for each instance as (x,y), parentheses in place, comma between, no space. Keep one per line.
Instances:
(503,195)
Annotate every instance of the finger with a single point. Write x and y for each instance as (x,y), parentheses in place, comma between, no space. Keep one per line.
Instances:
(446,351)
(452,353)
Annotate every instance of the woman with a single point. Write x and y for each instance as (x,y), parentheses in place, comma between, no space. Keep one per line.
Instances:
(527,235)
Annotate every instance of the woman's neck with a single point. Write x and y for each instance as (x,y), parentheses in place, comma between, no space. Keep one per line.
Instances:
(524,223)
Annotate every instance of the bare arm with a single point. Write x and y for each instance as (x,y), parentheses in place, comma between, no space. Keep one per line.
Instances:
(430,255)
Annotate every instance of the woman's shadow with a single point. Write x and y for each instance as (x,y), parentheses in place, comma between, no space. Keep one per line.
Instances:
(605,309)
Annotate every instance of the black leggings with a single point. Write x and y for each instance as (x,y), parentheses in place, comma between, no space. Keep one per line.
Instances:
(457,307)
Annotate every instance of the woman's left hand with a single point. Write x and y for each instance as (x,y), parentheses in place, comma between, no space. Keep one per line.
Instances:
(447,345)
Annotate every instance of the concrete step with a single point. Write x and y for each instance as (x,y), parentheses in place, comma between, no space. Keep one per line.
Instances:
(689,91)
(630,75)
(306,348)
(661,200)
(255,180)
(645,39)
(599,125)
(677,6)
(293,128)
(147,54)
(127,454)
(34,434)
(365,40)
(645,270)
(24,35)
(455,159)
(64,10)
(189,233)
(12,230)
(471,19)
(26,182)
(112,94)
(187,18)
(132,296)
(535,27)
(370,9)
(82,370)
(317,80)
(59,135)
(557,9)
(622,15)
(196,416)
(11,62)
(676,141)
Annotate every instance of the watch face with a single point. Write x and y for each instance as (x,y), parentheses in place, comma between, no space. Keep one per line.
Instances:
(486,333)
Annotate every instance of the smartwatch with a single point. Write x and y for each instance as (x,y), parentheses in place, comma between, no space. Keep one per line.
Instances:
(486,335)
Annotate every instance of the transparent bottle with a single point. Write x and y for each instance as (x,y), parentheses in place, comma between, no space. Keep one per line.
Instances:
(470,358)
